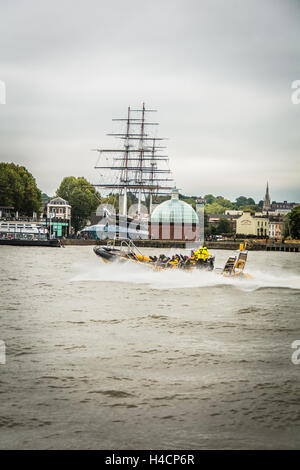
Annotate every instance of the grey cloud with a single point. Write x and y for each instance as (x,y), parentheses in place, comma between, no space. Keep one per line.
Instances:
(218,72)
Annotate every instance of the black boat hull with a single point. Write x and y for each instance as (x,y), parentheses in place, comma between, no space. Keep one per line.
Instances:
(108,254)
(19,242)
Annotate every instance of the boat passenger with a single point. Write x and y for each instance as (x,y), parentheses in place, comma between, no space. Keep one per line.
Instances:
(201,254)
(174,261)
(205,254)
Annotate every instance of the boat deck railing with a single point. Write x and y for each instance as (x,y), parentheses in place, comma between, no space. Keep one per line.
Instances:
(130,246)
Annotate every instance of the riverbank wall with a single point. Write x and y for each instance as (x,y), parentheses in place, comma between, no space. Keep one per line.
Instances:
(251,245)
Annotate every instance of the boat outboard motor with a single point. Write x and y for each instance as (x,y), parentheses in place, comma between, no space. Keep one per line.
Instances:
(210,264)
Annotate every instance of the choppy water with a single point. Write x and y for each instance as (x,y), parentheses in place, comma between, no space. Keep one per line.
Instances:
(122,357)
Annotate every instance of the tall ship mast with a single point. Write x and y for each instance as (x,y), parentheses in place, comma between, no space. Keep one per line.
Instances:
(139,168)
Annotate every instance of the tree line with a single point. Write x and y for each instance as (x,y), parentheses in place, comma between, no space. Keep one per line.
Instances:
(18,189)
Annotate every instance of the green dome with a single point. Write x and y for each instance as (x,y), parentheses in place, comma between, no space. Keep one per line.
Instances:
(174,210)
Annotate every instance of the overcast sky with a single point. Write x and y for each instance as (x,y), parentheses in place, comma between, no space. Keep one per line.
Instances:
(218,72)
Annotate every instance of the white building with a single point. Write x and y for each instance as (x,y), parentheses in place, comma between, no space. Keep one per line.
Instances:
(233,212)
(248,224)
(58,212)
(276,228)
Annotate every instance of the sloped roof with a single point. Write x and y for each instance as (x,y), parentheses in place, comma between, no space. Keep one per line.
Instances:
(58,200)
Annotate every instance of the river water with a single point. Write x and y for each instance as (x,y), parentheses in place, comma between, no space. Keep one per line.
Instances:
(121,357)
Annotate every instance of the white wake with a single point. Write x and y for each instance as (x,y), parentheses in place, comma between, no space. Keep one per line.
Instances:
(176,279)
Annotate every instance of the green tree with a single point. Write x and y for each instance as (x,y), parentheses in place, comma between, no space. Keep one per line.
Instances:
(240,201)
(113,200)
(82,197)
(247,208)
(224,226)
(292,223)
(210,230)
(247,203)
(189,201)
(224,202)
(45,198)
(250,201)
(209,198)
(18,189)
(214,208)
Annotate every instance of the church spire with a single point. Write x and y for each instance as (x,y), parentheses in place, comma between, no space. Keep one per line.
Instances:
(267,201)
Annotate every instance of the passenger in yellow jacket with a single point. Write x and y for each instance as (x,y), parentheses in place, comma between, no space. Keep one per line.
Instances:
(205,254)
(201,254)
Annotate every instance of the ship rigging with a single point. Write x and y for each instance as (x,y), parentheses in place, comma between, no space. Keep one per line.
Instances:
(139,165)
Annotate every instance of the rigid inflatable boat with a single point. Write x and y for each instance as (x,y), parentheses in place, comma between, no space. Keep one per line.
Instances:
(199,259)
